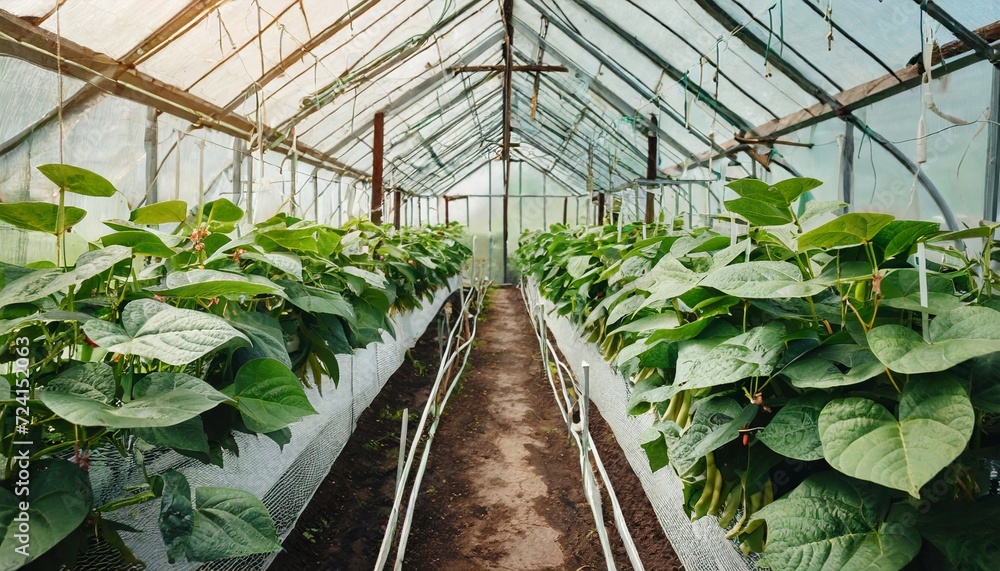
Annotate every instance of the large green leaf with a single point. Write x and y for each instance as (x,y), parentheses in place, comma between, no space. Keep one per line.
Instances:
(762,280)
(221,215)
(167,212)
(78,180)
(176,520)
(901,290)
(833,523)
(864,440)
(822,368)
(159,399)
(270,396)
(955,336)
(42,283)
(207,284)
(794,431)
(965,533)
(40,216)
(263,331)
(60,499)
(284,261)
(899,236)
(142,243)
(187,435)
(93,381)
(156,330)
(708,363)
(316,300)
(229,523)
(848,230)
(716,422)
(760,213)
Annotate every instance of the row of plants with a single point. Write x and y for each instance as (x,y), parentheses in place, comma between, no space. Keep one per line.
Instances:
(179,339)
(831,398)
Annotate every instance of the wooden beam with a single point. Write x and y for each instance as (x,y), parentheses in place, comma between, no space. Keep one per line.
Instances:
(397,203)
(860,96)
(508,77)
(651,167)
(378,159)
(528,67)
(21,40)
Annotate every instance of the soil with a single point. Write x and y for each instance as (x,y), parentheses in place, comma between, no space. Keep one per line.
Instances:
(503,488)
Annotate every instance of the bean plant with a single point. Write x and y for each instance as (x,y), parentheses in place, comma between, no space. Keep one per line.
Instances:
(832,398)
(178,329)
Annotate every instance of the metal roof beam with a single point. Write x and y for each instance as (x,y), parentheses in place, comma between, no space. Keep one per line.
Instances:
(971,39)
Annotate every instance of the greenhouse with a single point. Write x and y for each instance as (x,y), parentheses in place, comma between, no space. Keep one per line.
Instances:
(499,284)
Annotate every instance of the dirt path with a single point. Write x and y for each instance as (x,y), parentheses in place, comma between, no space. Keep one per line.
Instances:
(503,487)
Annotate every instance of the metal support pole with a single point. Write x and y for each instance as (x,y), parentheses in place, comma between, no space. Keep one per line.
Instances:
(237,170)
(315,179)
(651,156)
(993,154)
(447,215)
(377,164)
(293,207)
(565,209)
(152,153)
(847,166)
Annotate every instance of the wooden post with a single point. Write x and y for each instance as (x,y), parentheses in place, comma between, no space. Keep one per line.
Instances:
(653,152)
(447,217)
(508,60)
(377,157)
(600,208)
(565,209)
(397,202)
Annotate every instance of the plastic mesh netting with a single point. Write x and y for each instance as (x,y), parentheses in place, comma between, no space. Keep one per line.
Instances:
(700,545)
(284,479)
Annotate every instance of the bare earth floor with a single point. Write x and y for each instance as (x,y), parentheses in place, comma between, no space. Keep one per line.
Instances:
(503,487)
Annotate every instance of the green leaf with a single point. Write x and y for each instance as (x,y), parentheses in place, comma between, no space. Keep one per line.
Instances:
(848,230)
(207,284)
(263,331)
(817,208)
(760,213)
(832,522)
(142,243)
(901,290)
(762,280)
(373,279)
(316,300)
(270,396)
(708,363)
(222,215)
(229,523)
(655,446)
(40,216)
(956,336)
(168,212)
(176,514)
(60,499)
(578,265)
(158,399)
(282,261)
(156,330)
(187,435)
(93,381)
(792,188)
(821,371)
(716,422)
(965,533)
(864,440)
(794,431)
(899,236)
(43,283)
(78,180)
(985,375)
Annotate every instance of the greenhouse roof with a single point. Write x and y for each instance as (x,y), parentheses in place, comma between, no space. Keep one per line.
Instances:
(718,75)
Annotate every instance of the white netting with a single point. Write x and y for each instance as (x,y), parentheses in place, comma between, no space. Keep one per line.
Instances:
(700,545)
(284,479)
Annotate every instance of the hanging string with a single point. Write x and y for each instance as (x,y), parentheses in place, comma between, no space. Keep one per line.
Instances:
(829,18)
